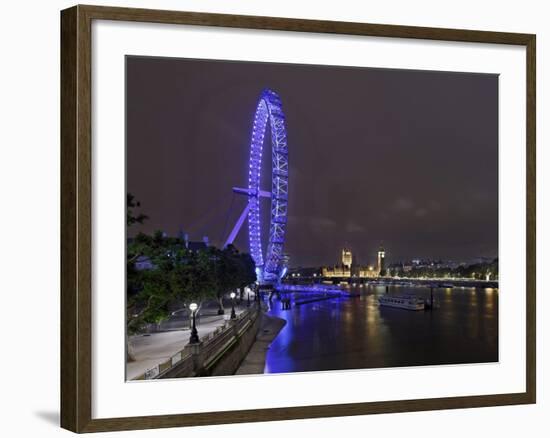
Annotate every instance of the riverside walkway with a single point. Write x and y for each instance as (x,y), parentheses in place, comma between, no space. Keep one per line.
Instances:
(254,362)
(151,349)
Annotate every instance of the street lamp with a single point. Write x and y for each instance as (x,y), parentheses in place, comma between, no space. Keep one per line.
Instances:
(194,338)
(232,295)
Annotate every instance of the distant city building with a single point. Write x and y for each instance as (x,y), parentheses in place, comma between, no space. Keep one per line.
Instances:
(194,245)
(347,258)
(336,271)
(381,259)
(349,269)
(367,272)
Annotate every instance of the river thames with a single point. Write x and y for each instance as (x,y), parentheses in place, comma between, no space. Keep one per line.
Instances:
(354,332)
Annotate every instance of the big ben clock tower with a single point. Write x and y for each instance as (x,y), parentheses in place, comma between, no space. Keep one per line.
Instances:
(381,259)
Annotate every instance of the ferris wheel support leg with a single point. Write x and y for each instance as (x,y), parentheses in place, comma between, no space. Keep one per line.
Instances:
(237,226)
(242,217)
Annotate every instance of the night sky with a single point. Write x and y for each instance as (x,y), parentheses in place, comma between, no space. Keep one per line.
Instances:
(408,158)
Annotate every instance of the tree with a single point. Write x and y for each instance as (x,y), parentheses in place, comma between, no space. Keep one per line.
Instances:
(232,270)
(173,274)
(132,255)
(247,269)
(149,291)
(150,303)
(131,204)
(194,277)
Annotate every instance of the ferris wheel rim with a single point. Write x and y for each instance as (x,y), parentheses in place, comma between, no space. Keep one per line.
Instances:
(268,112)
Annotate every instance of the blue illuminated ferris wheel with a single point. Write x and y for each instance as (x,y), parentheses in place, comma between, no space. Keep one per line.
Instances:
(268,111)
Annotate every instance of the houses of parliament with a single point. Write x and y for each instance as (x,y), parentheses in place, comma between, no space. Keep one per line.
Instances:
(350,269)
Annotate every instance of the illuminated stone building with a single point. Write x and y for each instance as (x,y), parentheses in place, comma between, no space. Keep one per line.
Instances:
(381,259)
(367,272)
(347,258)
(348,269)
(336,271)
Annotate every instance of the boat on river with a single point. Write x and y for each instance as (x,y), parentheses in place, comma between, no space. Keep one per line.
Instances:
(408,302)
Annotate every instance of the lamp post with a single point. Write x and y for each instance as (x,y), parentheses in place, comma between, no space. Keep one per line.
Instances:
(233,314)
(194,338)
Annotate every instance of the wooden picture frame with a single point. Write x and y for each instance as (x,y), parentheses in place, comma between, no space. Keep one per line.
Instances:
(76,218)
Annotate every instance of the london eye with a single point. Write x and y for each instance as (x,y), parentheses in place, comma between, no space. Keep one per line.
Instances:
(269,112)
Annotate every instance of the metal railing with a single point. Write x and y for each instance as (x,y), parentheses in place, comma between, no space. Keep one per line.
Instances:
(209,350)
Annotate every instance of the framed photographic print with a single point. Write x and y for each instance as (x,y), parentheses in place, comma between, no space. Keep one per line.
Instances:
(254,208)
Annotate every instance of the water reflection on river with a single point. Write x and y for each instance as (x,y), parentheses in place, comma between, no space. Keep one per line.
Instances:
(347,333)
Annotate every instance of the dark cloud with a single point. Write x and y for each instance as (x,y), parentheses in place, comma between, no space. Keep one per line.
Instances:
(352,227)
(402,204)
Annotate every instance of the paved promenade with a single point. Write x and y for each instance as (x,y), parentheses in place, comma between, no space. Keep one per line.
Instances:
(254,362)
(153,348)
